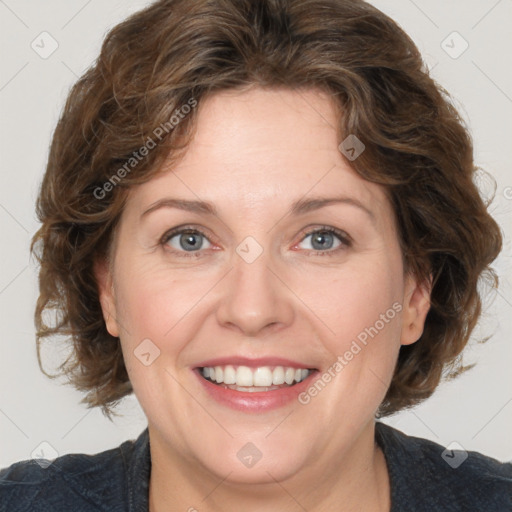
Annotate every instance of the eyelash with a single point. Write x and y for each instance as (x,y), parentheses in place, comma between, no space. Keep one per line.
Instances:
(341,235)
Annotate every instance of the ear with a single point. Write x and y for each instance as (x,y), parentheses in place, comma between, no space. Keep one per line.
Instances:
(105,284)
(415,308)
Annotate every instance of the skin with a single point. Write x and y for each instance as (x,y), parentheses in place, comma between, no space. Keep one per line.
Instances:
(253,154)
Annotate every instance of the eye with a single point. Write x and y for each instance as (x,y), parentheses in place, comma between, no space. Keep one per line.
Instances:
(186,240)
(189,242)
(326,240)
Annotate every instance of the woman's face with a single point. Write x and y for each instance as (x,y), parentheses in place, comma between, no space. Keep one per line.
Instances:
(289,267)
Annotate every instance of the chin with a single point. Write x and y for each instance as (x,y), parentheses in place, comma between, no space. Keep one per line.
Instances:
(245,462)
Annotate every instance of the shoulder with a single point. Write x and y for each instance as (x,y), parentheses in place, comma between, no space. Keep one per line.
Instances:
(428,476)
(77,482)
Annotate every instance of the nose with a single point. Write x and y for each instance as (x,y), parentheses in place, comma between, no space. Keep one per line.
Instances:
(255,299)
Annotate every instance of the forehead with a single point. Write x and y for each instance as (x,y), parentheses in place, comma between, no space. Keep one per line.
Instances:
(261,147)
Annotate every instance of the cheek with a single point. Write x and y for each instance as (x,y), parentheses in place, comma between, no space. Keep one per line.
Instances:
(155,305)
(151,298)
(361,305)
(152,303)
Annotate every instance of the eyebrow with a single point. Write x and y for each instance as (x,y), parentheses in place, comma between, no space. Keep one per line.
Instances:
(306,205)
(299,207)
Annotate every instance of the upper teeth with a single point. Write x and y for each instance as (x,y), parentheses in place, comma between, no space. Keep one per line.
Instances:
(260,376)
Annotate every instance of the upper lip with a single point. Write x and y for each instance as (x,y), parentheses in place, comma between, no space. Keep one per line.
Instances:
(253,362)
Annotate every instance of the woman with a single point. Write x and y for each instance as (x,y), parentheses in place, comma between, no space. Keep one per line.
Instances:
(260,218)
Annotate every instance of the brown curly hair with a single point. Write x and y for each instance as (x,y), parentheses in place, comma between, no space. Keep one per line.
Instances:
(176,52)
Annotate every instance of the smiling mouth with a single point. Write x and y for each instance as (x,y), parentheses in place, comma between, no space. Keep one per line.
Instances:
(251,380)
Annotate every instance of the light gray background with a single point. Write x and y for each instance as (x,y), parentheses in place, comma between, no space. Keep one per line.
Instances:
(475,410)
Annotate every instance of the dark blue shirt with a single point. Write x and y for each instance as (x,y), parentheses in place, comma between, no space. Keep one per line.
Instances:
(424,476)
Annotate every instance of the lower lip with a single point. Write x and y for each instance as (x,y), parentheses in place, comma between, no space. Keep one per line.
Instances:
(258,401)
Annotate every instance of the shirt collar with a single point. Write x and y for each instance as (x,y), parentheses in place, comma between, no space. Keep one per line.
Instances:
(138,473)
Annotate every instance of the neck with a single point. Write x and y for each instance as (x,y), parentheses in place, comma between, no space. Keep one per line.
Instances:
(342,480)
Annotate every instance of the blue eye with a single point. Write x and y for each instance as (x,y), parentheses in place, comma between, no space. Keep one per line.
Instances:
(327,240)
(188,240)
